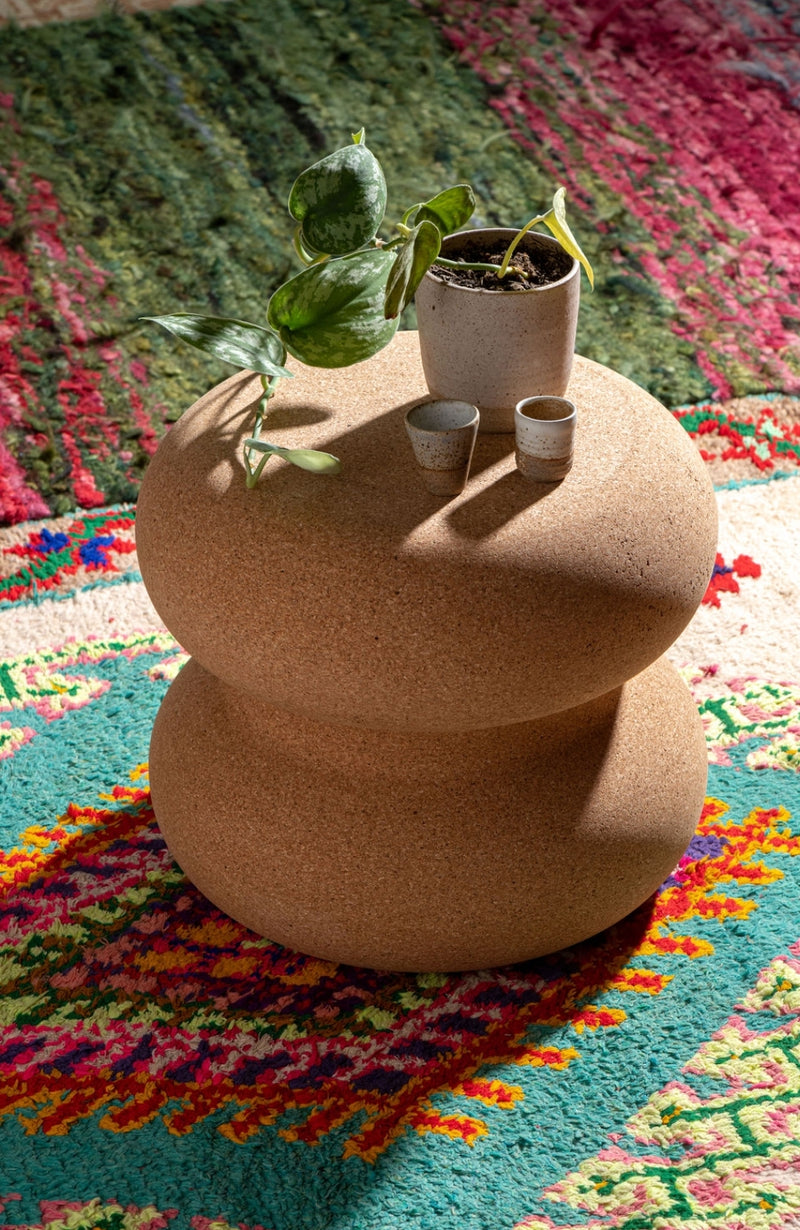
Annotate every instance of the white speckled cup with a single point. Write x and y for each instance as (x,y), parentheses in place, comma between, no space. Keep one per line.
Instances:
(442,435)
(545,435)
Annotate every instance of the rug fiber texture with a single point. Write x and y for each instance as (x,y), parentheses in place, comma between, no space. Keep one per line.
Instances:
(159,1064)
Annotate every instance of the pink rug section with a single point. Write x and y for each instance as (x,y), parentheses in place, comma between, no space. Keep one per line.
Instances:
(690,112)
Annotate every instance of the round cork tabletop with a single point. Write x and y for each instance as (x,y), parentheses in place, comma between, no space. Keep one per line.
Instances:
(362,599)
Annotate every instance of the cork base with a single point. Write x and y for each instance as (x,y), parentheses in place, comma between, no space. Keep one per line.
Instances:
(417,851)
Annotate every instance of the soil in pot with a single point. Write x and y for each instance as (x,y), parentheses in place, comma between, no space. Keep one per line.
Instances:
(541,265)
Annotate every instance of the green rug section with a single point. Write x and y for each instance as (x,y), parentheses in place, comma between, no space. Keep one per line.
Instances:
(171,141)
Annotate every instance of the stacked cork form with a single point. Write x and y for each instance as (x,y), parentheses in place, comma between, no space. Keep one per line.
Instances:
(425,732)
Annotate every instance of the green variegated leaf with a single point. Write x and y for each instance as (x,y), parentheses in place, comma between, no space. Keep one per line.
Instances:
(449,210)
(306,458)
(340,201)
(331,315)
(411,264)
(234,341)
(556,222)
(314,460)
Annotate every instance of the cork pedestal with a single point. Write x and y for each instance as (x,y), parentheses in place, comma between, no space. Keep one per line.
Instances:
(416,733)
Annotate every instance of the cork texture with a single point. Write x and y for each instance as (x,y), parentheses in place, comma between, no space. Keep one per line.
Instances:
(428,852)
(363,599)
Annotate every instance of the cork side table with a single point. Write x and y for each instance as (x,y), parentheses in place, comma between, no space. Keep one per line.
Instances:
(424,734)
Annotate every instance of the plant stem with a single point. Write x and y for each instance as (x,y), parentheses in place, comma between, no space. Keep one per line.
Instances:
(513,245)
(253,475)
(408,213)
(306,257)
(448,264)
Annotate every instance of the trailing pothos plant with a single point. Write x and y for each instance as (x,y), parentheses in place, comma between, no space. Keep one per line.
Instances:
(346,303)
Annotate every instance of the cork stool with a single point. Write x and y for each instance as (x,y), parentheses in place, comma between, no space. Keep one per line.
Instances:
(418,733)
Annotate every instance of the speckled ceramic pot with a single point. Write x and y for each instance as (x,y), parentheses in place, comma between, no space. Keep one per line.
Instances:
(442,435)
(494,348)
(545,438)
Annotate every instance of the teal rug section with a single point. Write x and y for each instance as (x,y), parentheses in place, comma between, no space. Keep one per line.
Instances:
(161,1065)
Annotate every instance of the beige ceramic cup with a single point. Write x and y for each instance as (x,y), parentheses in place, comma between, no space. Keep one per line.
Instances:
(442,435)
(544,430)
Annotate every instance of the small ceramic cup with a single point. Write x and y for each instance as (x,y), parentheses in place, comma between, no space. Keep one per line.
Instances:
(545,434)
(442,435)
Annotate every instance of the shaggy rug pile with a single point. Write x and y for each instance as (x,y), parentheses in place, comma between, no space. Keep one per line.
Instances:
(159,1064)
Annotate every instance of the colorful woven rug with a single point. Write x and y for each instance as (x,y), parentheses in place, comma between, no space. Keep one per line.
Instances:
(159,1065)
(158,1061)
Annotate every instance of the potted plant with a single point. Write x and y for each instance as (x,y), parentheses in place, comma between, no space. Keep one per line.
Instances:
(344,306)
(493,338)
